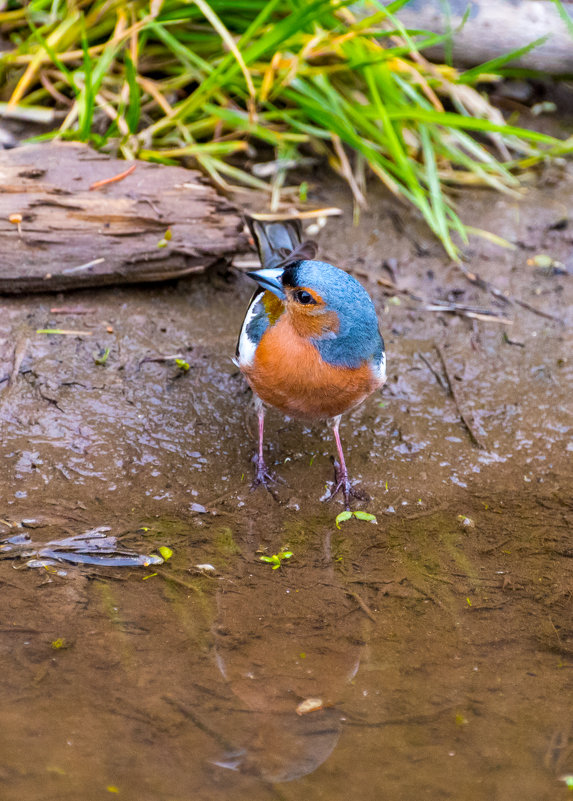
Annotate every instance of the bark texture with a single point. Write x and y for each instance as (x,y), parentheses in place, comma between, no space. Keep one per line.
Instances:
(70,236)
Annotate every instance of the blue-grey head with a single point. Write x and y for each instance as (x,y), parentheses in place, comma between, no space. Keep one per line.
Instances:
(329,307)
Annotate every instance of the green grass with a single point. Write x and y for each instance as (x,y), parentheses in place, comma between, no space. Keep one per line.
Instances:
(222,84)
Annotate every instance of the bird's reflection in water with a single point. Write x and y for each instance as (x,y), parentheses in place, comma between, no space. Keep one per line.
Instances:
(283,637)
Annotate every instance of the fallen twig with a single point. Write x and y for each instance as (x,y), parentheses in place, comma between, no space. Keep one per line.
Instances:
(65,332)
(160,359)
(480,282)
(473,312)
(81,267)
(434,372)
(311,214)
(529,307)
(71,310)
(451,382)
(114,179)
(19,353)
(362,604)
(512,341)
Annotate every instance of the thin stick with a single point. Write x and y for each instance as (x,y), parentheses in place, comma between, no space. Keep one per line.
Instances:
(71,310)
(114,178)
(434,372)
(362,604)
(485,315)
(19,353)
(451,382)
(299,215)
(64,332)
(537,311)
(477,280)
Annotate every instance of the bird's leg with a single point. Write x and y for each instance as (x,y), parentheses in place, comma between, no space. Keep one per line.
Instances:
(341,480)
(262,474)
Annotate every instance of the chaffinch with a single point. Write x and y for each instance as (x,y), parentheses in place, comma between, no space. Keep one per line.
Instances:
(310,344)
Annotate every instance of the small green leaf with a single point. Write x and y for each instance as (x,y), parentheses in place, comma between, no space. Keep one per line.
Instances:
(182,364)
(303,192)
(365,516)
(342,517)
(165,552)
(276,559)
(102,357)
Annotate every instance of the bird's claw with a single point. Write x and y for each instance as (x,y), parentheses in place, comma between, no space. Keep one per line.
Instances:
(342,482)
(264,477)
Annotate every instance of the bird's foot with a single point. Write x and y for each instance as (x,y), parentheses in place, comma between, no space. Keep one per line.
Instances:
(264,477)
(342,483)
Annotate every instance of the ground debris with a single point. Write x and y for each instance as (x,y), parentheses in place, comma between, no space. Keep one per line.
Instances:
(94,547)
(463,416)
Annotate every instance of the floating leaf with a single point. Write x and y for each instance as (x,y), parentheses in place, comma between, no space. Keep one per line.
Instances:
(342,517)
(165,552)
(365,516)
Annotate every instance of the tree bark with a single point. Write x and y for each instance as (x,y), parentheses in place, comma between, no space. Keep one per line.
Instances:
(56,233)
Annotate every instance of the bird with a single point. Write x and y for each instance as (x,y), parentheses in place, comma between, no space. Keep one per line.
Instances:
(310,342)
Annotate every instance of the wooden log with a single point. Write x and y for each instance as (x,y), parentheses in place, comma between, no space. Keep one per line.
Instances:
(56,233)
(494,28)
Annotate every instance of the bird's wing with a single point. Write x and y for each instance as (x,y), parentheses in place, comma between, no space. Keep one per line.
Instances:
(254,325)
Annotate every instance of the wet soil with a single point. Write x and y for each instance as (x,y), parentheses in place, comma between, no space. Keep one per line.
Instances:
(437,643)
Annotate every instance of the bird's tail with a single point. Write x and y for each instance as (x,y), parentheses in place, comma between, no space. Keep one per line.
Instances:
(280,243)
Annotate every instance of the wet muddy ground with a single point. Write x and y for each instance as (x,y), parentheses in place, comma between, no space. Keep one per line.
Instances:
(437,643)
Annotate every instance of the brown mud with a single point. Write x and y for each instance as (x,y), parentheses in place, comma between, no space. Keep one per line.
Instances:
(437,643)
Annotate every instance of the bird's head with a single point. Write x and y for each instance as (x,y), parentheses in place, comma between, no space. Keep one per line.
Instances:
(321,300)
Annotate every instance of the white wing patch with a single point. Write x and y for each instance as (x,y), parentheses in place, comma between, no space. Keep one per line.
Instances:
(379,368)
(247,346)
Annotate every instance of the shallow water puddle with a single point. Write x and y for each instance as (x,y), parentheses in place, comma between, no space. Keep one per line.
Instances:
(427,656)
(428,652)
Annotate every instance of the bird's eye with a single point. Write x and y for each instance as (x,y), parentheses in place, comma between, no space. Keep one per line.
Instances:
(304,297)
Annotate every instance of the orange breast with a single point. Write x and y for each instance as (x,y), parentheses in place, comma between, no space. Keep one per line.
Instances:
(288,373)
